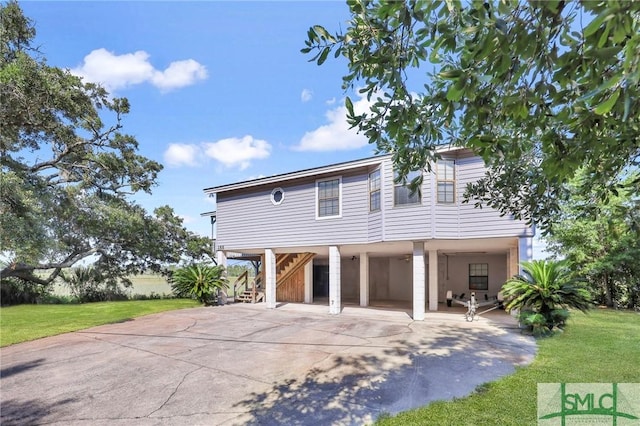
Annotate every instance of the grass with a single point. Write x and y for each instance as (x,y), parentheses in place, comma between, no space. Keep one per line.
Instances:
(601,346)
(28,322)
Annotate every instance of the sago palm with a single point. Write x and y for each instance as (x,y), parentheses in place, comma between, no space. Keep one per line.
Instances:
(543,293)
(199,281)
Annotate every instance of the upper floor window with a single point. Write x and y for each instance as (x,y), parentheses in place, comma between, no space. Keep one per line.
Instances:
(478,276)
(277,196)
(446,181)
(328,197)
(402,194)
(374,190)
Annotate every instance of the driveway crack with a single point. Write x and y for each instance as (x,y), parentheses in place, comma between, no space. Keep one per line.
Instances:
(175,390)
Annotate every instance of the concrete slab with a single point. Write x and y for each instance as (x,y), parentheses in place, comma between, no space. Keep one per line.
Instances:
(244,364)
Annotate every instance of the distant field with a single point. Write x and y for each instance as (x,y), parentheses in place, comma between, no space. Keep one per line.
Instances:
(142,284)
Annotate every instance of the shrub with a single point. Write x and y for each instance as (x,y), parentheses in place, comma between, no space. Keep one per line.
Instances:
(14,291)
(87,284)
(543,294)
(201,282)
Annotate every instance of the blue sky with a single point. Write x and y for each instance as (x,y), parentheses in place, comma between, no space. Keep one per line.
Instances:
(219,91)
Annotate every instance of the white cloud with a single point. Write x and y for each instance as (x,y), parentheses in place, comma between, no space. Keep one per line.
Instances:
(238,152)
(179,74)
(179,154)
(337,134)
(330,101)
(306,95)
(186,219)
(119,71)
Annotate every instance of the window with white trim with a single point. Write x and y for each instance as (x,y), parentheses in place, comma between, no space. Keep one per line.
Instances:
(478,276)
(374,190)
(328,193)
(446,181)
(277,196)
(402,194)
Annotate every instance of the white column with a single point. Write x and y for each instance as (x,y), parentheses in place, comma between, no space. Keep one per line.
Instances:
(364,279)
(512,266)
(525,250)
(308,282)
(270,278)
(335,302)
(433,280)
(221,258)
(418,281)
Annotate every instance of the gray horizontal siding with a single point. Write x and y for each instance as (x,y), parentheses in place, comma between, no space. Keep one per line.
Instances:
(251,221)
(481,222)
(405,222)
(246,219)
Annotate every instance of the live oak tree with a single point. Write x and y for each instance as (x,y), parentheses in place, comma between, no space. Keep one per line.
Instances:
(67,175)
(539,89)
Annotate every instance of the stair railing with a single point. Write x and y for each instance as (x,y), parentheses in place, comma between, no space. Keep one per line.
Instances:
(240,282)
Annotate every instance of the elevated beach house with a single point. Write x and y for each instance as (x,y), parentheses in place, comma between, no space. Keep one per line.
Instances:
(347,233)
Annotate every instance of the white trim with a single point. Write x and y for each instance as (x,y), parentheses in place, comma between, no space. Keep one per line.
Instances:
(273,201)
(453,182)
(333,168)
(379,170)
(339,215)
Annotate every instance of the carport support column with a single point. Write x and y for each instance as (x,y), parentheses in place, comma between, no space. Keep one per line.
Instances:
(525,251)
(418,281)
(335,301)
(433,280)
(364,279)
(513,262)
(221,258)
(308,282)
(270,278)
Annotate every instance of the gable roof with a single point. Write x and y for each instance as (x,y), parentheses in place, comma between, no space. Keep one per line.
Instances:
(316,171)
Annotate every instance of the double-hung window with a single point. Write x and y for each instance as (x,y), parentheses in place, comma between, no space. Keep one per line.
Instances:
(446,181)
(478,276)
(402,194)
(328,197)
(374,190)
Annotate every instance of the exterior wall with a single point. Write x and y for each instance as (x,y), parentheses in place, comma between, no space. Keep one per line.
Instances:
(249,220)
(405,222)
(401,275)
(456,274)
(350,271)
(246,218)
(379,278)
(485,222)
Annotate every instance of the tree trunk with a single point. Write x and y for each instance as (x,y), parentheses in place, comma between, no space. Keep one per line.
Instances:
(608,296)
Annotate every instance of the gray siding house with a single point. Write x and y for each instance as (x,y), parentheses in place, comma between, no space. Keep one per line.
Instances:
(368,240)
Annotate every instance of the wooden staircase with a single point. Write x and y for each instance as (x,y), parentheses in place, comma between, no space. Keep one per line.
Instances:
(248,292)
(289,267)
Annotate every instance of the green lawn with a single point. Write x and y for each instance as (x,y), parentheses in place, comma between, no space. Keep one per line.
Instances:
(601,346)
(28,322)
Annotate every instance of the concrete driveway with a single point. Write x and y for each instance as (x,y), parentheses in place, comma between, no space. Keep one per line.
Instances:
(244,364)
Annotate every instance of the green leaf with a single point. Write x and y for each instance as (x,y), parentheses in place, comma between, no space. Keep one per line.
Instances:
(450,74)
(349,106)
(594,25)
(323,55)
(455,93)
(606,106)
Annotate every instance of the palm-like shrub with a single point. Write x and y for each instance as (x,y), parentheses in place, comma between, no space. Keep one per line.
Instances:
(89,284)
(201,282)
(543,294)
